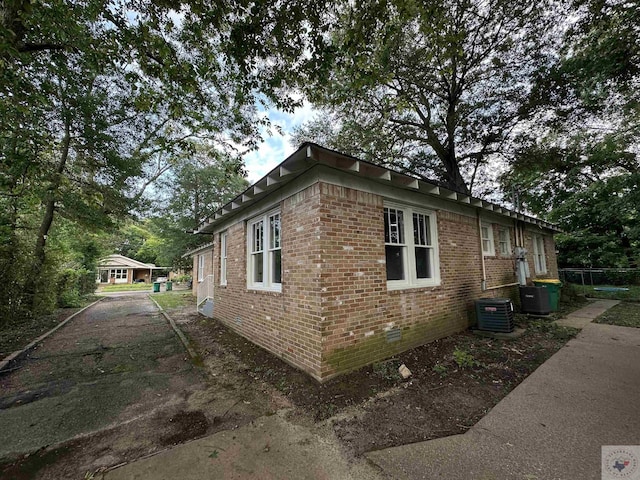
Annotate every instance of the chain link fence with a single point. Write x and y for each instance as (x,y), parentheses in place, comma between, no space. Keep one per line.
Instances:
(600,276)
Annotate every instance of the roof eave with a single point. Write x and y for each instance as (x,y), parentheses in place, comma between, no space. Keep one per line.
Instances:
(309,155)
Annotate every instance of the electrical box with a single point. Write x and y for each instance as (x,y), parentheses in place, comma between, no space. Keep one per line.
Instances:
(535,300)
(495,315)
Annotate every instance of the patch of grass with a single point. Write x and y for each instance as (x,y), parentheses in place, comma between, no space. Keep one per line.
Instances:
(624,315)
(126,287)
(169,300)
(632,294)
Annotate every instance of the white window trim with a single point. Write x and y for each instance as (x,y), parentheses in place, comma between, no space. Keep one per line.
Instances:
(223,258)
(201,267)
(539,258)
(492,246)
(266,285)
(410,280)
(502,228)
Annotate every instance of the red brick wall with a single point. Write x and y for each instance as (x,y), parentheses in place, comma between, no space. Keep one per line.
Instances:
(549,251)
(358,309)
(286,323)
(500,269)
(334,311)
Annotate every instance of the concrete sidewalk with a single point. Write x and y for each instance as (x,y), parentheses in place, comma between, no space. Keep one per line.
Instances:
(270,447)
(581,318)
(552,426)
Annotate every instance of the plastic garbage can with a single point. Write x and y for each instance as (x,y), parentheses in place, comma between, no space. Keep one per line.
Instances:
(156,287)
(553,286)
(169,286)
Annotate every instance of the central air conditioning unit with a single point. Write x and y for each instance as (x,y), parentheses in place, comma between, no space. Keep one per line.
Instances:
(535,300)
(495,315)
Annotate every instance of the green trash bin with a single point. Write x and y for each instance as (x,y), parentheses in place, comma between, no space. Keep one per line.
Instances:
(169,286)
(156,287)
(553,286)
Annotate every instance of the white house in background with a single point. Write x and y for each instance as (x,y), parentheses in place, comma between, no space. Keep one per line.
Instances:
(120,269)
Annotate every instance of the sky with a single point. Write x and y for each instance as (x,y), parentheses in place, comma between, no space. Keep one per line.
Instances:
(275,146)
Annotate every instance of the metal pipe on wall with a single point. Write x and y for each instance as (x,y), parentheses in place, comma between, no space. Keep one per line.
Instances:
(483,282)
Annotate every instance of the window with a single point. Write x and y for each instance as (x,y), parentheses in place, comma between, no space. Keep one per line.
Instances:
(223,258)
(487,239)
(200,268)
(264,265)
(539,259)
(410,247)
(504,241)
(119,273)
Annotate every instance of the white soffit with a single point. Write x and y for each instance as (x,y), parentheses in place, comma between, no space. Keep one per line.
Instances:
(310,155)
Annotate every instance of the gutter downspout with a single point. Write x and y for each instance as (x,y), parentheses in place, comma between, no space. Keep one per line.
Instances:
(483,282)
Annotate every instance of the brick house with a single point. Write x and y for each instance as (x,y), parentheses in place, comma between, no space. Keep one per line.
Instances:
(332,263)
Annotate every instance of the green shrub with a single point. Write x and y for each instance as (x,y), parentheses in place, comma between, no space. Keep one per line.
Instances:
(70,299)
(440,369)
(464,359)
(181,278)
(73,285)
(387,370)
(570,294)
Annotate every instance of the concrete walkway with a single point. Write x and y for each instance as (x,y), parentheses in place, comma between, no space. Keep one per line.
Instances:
(270,448)
(552,426)
(581,318)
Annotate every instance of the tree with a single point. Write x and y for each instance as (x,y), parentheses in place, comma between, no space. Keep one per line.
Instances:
(579,166)
(434,88)
(98,99)
(192,191)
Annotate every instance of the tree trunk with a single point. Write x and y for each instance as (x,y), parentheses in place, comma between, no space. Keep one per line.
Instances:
(39,254)
(454,178)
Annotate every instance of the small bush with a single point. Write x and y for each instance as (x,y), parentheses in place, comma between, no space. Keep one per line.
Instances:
(464,359)
(181,278)
(387,370)
(571,294)
(440,369)
(70,299)
(73,285)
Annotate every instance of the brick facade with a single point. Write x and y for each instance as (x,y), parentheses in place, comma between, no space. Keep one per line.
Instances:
(334,312)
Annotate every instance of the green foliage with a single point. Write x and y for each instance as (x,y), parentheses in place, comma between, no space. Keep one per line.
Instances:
(630,295)
(387,370)
(578,163)
(431,88)
(182,278)
(464,359)
(174,299)
(98,101)
(440,369)
(73,286)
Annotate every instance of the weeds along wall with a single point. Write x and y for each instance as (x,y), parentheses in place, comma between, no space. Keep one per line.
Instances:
(335,312)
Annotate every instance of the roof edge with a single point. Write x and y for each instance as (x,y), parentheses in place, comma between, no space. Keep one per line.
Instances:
(310,154)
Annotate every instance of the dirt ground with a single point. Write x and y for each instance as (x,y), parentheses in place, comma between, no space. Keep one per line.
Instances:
(156,397)
(455,382)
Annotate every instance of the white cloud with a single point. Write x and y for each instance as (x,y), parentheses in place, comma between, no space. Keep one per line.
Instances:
(276,146)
